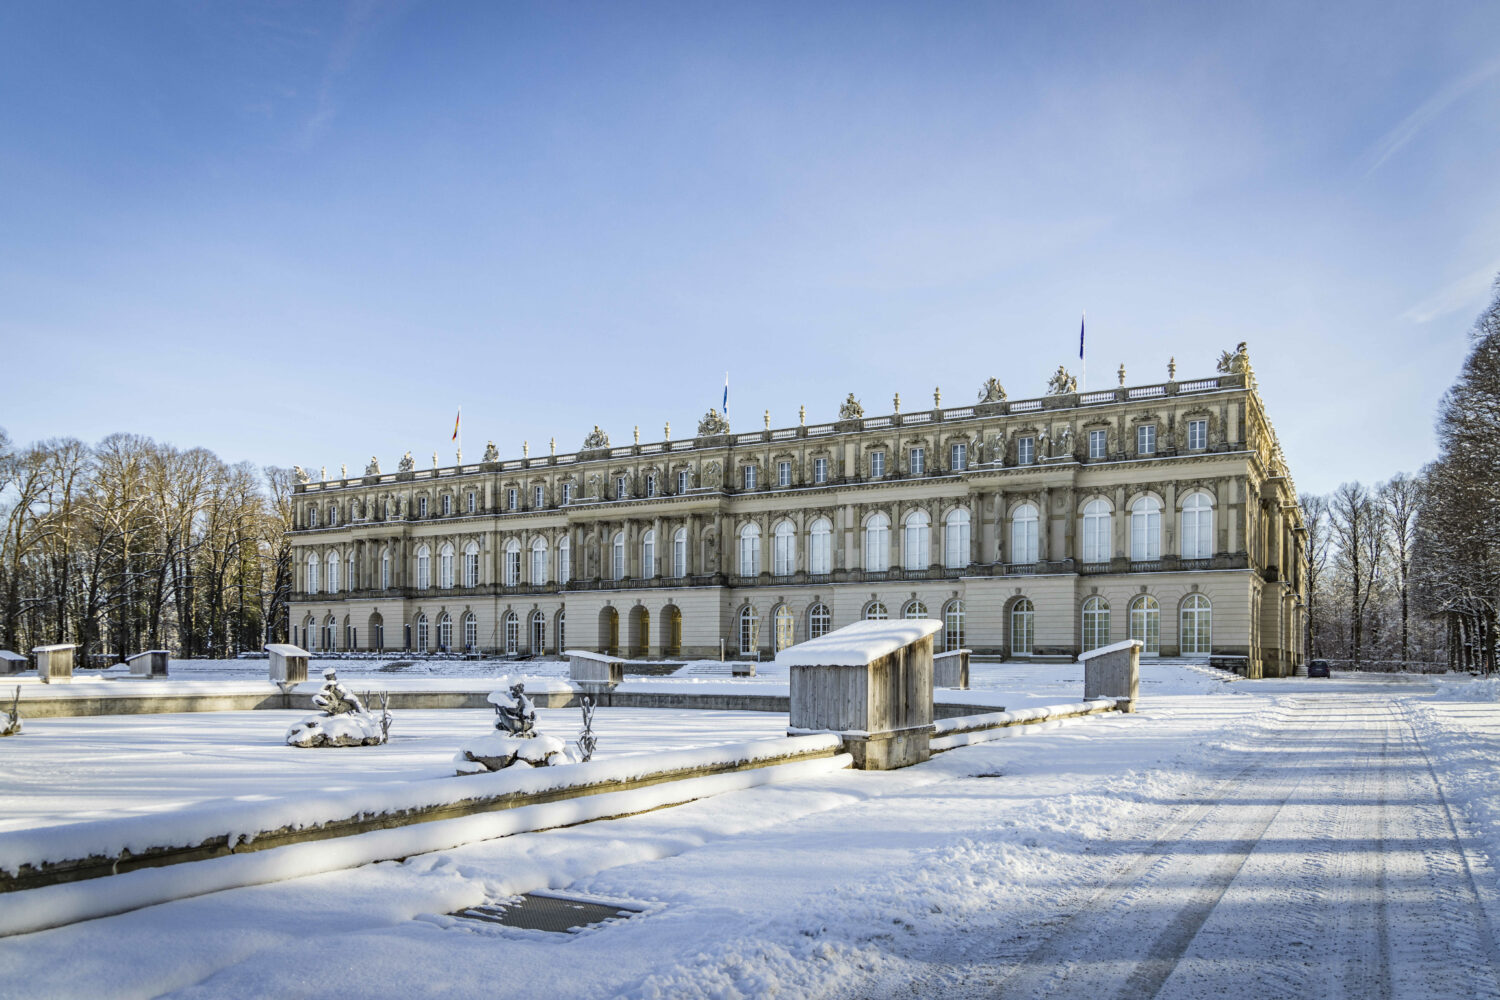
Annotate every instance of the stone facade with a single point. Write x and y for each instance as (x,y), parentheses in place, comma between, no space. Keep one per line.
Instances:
(985,508)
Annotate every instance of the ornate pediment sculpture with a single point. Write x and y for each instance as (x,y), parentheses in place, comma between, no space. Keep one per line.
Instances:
(992,391)
(713,424)
(851,410)
(407,463)
(596,439)
(1061,382)
(373,469)
(491,453)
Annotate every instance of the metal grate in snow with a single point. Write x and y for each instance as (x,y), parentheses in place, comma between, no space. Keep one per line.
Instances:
(534,911)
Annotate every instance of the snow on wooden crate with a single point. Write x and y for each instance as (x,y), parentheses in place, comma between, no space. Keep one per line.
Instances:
(857,644)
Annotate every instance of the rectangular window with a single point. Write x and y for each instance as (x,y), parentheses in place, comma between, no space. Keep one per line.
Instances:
(1197,434)
(1098,444)
(622,487)
(651,485)
(538,497)
(877,464)
(1025,450)
(783,473)
(1145,439)
(917,462)
(683,481)
(959,458)
(422,507)
(472,503)
(333,514)
(512,499)
(820,471)
(312,517)
(447,505)
(749,477)
(567,493)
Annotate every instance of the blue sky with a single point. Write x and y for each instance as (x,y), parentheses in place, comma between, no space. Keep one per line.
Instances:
(306,233)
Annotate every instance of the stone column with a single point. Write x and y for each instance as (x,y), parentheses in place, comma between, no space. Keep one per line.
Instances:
(1044,526)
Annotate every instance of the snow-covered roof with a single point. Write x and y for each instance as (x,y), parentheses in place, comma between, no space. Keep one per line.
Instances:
(149,652)
(286,649)
(54,649)
(858,644)
(584,654)
(1111,648)
(6,654)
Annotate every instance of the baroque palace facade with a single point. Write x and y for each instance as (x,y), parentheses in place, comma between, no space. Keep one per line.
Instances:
(1030,528)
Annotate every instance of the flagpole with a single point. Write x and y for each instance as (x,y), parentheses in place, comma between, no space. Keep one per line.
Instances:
(1083,361)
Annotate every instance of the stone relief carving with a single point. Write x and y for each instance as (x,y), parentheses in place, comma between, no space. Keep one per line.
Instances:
(992,391)
(1063,443)
(596,439)
(594,482)
(713,475)
(491,453)
(373,469)
(851,410)
(712,424)
(407,463)
(1061,382)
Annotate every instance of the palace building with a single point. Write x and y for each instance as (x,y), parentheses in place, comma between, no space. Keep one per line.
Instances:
(1031,528)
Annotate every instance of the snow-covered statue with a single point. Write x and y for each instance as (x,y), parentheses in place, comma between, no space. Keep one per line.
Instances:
(407,463)
(12,724)
(491,453)
(596,439)
(850,409)
(1061,382)
(514,741)
(344,721)
(992,391)
(1236,362)
(713,424)
(300,474)
(586,741)
(373,469)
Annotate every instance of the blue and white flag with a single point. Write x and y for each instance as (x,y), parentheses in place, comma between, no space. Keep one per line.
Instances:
(726,394)
(1080,336)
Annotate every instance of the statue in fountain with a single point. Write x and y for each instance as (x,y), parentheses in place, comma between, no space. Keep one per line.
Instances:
(343,722)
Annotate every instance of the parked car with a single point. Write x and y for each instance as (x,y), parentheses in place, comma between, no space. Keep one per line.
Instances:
(1317,668)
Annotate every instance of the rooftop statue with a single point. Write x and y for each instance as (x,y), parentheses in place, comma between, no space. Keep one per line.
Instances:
(407,463)
(1236,362)
(491,453)
(992,391)
(851,410)
(596,439)
(300,474)
(1061,383)
(373,469)
(713,424)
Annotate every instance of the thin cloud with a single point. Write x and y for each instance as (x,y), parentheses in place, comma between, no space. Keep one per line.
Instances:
(1408,128)
(360,17)
(1454,296)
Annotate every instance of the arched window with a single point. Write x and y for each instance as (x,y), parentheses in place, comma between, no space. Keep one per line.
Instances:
(876,612)
(914,609)
(312,573)
(749,630)
(538,633)
(1145,529)
(1145,624)
(385,568)
(648,552)
(564,561)
(1023,535)
(445,566)
(333,572)
(617,556)
(953,625)
(1095,623)
(471,633)
(750,550)
(512,563)
(1022,627)
(1096,542)
(445,632)
(512,632)
(679,552)
(538,561)
(330,633)
(877,543)
(783,550)
(916,547)
(424,569)
(819,621)
(671,630)
(956,538)
(471,564)
(1197,526)
(820,547)
(784,625)
(562,629)
(422,632)
(1197,626)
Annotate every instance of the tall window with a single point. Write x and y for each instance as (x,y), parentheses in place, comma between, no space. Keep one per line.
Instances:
(424,569)
(471,564)
(421,506)
(622,487)
(914,609)
(820,471)
(471,632)
(953,625)
(562,630)
(567,493)
(1098,444)
(445,632)
(538,497)
(1096,542)
(538,561)
(684,479)
(447,504)
(422,632)
(333,514)
(1145,624)
(750,550)
(785,623)
(538,633)
(784,549)
(749,630)
(679,552)
(749,477)
(445,566)
(312,573)
(1197,526)
(617,556)
(564,560)
(333,572)
(1145,529)
(512,563)
(958,457)
(877,464)
(956,538)
(512,626)
(916,542)
(875,611)
(648,553)
(1197,619)
(878,543)
(1197,436)
(1145,439)
(351,582)
(783,474)
(1022,627)
(1095,623)
(512,499)
(820,547)
(651,484)
(312,517)
(385,568)
(385,511)
(473,504)
(819,621)
(916,461)
(1023,535)
(330,633)
(1025,450)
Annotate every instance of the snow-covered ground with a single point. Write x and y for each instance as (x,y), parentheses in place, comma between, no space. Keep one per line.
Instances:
(1286,838)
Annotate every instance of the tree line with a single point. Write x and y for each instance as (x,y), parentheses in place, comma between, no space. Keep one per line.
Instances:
(1408,571)
(130,545)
